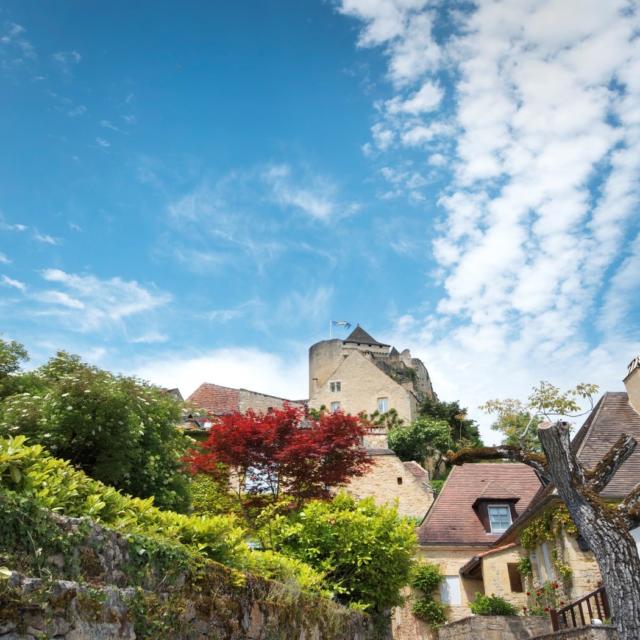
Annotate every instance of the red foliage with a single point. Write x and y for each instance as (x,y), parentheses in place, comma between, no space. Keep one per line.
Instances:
(285,451)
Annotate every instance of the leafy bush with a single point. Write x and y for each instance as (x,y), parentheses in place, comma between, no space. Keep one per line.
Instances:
(427,577)
(363,550)
(492,605)
(29,472)
(431,611)
(117,429)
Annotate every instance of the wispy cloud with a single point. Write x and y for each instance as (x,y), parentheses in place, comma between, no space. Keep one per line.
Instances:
(67,60)
(4,259)
(101,142)
(45,238)
(314,195)
(90,302)
(16,284)
(107,124)
(150,337)
(15,49)
(7,226)
(544,149)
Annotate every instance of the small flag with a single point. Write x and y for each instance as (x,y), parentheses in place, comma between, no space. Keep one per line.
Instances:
(341,323)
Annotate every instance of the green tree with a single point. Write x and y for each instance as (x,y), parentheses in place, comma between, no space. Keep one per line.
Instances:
(365,551)
(12,355)
(519,421)
(117,429)
(464,430)
(423,438)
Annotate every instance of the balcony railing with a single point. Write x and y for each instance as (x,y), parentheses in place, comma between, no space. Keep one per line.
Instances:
(581,612)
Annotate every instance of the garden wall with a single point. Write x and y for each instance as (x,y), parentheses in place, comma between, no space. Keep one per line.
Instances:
(601,632)
(94,584)
(495,628)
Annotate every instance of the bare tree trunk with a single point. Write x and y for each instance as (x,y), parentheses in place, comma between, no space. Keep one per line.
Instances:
(605,528)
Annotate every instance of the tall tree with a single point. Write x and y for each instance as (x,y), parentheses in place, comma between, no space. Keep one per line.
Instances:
(284,452)
(604,526)
(463,429)
(12,355)
(518,421)
(117,429)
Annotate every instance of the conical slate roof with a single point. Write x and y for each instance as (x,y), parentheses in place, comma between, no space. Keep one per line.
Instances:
(360,336)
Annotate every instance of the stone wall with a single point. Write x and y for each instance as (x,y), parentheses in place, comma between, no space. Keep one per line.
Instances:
(95,584)
(495,628)
(602,632)
(35,608)
(388,480)
(261,402)
(495,575)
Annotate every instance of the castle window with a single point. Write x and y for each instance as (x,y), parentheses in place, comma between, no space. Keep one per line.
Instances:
(499,517)
(335,386)
(399,480)
(383,405)
(515,578)
(335,406)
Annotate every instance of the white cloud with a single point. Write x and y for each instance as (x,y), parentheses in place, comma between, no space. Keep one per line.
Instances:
(107,124)
(544,143)
(16,284)
(59,298)
(6,226)
(102,142)
(150,337)
(90,303)
(244,367)
(15,49)
(45,238)
(4,259)
(314,195)
(427,98)
(66,60)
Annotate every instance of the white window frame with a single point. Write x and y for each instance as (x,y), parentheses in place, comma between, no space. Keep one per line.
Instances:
(335,386)
(499,506)
(451,591)
(384,400)
(335,406)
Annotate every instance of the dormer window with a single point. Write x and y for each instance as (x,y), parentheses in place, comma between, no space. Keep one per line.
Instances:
(499,517)
(335,386)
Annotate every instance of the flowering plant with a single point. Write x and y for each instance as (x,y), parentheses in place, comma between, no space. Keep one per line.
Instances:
(543,599)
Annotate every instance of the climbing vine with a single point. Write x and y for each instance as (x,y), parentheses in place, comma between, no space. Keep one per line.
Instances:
(426,578)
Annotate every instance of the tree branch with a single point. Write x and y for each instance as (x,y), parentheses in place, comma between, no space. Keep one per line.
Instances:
(601,475)
(630,508)
(556,444)
(503,452)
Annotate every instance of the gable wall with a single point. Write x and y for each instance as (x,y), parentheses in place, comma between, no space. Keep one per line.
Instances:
(362,384)
(381,483)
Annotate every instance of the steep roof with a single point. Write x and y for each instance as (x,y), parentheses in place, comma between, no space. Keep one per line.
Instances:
(416,470)
(452,520)
(360,336)
(215,398)
(610,418)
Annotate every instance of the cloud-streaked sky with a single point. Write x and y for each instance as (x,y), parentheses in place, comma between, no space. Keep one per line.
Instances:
(193,191)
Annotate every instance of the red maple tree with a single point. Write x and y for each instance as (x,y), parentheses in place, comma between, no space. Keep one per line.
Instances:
(284,451)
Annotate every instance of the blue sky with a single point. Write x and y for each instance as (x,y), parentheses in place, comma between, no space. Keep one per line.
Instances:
(192,191)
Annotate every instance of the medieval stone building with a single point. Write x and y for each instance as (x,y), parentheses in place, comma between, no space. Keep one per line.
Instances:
(361,374)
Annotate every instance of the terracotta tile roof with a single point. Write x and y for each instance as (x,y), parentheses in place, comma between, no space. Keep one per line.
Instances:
(215,399)
(495,491)
(610,418)
(416,470)
(452,519)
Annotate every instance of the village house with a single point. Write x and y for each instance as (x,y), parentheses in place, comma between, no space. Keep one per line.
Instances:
(565,557)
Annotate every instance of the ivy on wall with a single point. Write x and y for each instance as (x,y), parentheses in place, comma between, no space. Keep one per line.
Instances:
(426,579)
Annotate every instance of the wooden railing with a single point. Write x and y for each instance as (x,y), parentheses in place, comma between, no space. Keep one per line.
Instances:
(581,612)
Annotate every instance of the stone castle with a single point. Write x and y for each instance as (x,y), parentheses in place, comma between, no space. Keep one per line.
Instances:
(361,374)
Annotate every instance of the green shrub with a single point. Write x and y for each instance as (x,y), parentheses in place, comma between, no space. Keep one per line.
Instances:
(492,605)
(431,611)
(29,473)
(427,577)
(363,550)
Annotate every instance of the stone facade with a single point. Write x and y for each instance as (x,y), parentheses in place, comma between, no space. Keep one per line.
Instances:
(389,481)
(601,632)
(495,575)
(366,371)
(451,559)
(496,628)
(262,402)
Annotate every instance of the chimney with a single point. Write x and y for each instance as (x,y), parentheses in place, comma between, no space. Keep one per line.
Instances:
(632,383)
